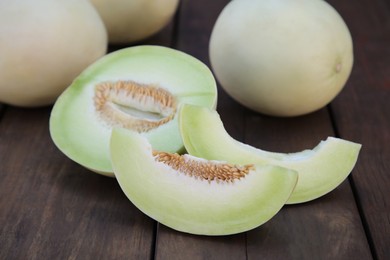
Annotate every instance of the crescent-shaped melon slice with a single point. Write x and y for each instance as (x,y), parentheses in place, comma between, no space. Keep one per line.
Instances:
(194,195)
(320,170)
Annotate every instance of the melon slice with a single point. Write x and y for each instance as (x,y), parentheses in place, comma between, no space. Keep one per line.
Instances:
(194,195)
(139,88)
(320,170)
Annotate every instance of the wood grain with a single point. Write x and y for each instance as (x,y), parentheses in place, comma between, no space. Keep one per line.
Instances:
(52,208)
(193,33)
(362,114)
(326,228)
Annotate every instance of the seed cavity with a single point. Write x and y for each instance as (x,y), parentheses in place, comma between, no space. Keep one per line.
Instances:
(203,169)
(135,106)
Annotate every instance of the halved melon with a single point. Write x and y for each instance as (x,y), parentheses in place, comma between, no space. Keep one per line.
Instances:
(320,170)
(194,195)
(139,88)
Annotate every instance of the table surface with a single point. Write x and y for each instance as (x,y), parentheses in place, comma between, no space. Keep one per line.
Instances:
(52,208)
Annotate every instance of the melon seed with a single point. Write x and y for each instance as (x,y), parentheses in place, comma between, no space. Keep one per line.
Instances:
(135,106)
(203,169)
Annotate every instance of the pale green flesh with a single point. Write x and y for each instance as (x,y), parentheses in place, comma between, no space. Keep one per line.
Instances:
(83,136)
(193,205)
(320,170)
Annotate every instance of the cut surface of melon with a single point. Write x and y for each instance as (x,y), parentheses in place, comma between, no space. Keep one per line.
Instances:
(194,195)
(320,170)
(139,88)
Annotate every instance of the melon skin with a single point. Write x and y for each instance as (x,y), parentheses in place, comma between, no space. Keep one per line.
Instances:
(192,205)
(44,45)
(320,169)
(129,21)
(281,58)
(79,132)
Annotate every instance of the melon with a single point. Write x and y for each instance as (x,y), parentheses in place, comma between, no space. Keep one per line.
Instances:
(138,88)
(320,169)
(281,57)
(194,195)
(129,21)
(44,45)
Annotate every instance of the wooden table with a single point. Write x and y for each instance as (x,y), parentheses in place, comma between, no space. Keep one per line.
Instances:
(52,208)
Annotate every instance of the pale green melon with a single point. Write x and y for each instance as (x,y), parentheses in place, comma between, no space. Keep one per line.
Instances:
(139,88)
(281,57)
(129,21)
(320,170)
(44,45)
(209,202)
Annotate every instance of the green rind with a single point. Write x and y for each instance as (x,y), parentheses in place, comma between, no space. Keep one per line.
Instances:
(320,170)
(80,133)
(191,205)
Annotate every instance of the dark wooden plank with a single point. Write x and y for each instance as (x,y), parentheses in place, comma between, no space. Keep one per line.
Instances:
(196,20)
(327,228)
(175,245)
(52,208)
(362,113)
(193,35)
(2,109)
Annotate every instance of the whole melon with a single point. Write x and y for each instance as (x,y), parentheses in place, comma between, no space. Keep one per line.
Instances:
(281,57)
(129,21)
(44,45)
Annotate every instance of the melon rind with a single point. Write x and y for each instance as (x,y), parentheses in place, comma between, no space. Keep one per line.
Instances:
(320,170)
(79,132)
(193,205)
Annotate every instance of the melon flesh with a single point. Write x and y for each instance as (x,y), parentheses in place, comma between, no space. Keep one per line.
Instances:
(79,131)
(194,205)
(320,170)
